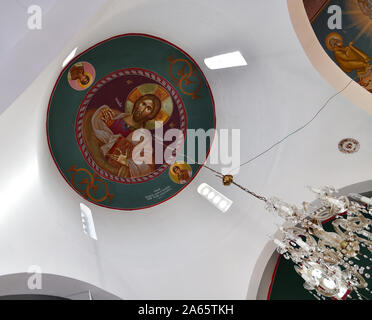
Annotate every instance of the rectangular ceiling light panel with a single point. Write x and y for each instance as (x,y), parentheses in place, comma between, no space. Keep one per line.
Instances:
(226,60)
(220,201)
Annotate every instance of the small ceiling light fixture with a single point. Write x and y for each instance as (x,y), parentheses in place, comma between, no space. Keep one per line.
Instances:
(87,221)
(349,145)
(226,60)
(221,202)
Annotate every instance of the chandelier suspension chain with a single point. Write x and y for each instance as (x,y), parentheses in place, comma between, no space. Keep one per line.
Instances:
(220,175)
(230,177)
(262,198)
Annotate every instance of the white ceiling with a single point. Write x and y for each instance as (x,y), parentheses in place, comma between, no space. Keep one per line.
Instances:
(184,248)
(24,53)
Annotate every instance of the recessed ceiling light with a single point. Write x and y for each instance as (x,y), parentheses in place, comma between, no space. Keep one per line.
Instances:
(69,57)
(87,221)
(213,196)
(226,60)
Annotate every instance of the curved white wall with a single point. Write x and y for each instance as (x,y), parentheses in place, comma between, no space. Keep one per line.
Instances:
(26,52)
(51,285)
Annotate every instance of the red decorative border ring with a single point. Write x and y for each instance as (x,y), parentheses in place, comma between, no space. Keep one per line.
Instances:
(83,108)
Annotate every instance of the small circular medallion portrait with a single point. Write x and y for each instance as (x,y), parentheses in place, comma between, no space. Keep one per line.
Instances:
(81,76)
(349,145)
(180,172)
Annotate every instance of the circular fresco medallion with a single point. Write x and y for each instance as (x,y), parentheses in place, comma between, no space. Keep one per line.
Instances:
(111,114)
(118,119)
(81,75)
(348,145)
(180,172)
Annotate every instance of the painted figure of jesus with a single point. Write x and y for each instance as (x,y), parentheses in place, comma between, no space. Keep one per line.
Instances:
(115,130)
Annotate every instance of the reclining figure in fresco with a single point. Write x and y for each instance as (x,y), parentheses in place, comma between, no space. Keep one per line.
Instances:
(348,57)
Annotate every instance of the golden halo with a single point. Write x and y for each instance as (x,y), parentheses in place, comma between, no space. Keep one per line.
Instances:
(165,98)
(333,35)
(181,165)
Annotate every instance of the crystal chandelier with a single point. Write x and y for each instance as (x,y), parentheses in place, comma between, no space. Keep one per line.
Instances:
(327,261)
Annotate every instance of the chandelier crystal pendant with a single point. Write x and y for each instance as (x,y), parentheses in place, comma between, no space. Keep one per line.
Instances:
(329,262)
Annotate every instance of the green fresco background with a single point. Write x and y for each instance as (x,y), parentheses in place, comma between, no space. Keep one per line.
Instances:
(126,51)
